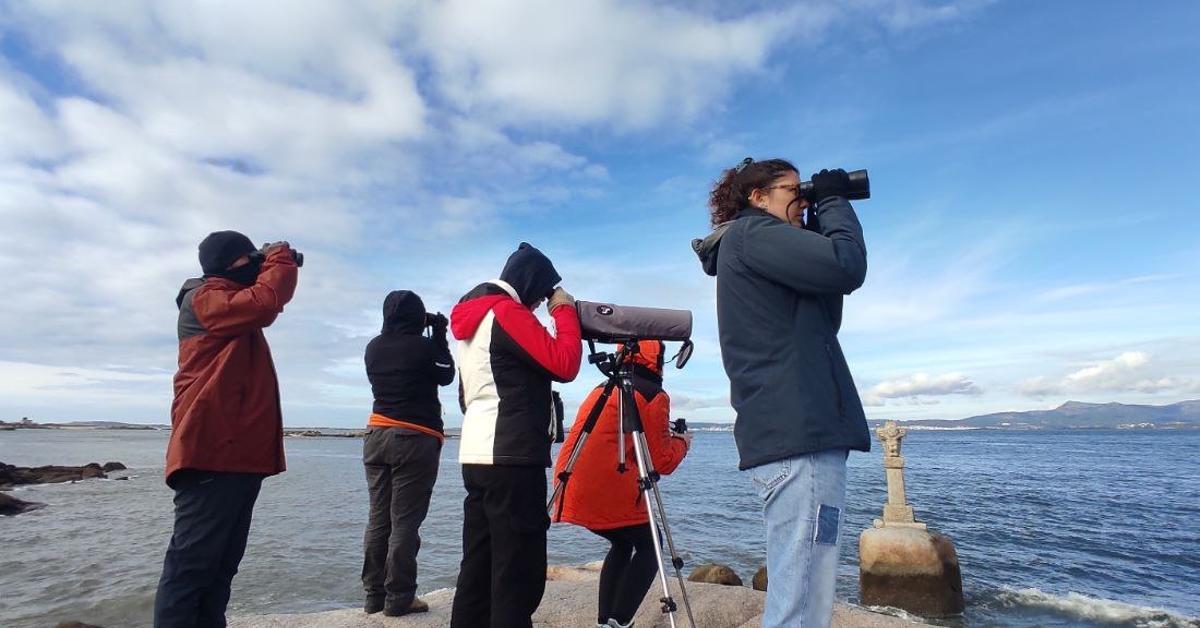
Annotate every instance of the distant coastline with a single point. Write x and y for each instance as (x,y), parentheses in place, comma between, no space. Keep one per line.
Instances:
(1072,415)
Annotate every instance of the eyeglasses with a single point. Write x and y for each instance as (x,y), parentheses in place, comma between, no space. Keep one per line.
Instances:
(794,188)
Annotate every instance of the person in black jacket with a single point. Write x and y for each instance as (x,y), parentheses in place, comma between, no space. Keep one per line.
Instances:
(401,448)
(780,283)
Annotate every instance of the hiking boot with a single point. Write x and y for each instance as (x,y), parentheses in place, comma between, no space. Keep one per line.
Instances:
(373,605)
(416,606)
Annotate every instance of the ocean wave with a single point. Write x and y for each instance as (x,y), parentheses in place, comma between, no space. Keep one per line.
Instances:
(1096,609)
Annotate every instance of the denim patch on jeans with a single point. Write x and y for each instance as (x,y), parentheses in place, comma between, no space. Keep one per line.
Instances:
(828,518)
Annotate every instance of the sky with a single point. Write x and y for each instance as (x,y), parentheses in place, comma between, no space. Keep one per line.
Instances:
(1031,235)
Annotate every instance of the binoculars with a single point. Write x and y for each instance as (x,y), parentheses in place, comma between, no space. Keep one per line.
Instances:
(859,189)
(261,254)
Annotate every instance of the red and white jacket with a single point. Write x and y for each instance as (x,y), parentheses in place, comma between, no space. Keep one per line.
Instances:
(507,361)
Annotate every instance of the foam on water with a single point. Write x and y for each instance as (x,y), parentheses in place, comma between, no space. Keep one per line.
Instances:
(1095,609)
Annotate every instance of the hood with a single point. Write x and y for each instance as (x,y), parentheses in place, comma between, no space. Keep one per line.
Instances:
(531,273)
(188,286)
(706,248)
(469,312)
(403,313)
(650,356)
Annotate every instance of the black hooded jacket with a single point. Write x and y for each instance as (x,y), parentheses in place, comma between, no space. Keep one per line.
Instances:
(405,367)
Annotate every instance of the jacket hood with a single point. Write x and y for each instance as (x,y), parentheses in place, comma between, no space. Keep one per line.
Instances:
(530,273)
(403,313)
(188,286)
(706,248)
(650,356)
(469,312)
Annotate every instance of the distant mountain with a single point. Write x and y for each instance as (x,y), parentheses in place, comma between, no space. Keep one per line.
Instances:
(1077,415)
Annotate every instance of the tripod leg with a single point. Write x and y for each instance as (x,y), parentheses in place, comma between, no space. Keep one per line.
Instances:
(642,448)
(560,482)
(646,483)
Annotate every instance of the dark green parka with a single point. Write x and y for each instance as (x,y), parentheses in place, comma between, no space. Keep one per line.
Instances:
(779,308)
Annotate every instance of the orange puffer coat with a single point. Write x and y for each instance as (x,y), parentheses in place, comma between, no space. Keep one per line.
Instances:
(597,496)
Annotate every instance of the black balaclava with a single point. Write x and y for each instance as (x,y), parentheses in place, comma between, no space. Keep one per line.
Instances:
(222,248)
(531,273)
(403,313)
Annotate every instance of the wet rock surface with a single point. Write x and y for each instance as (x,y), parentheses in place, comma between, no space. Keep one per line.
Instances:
(10,506)
(713,573)
(912,569)
(12,475)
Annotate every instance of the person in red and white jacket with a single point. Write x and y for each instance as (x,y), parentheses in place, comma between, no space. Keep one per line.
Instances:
(507,361)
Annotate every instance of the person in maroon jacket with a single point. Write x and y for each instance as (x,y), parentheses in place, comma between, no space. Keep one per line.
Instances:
(227,427)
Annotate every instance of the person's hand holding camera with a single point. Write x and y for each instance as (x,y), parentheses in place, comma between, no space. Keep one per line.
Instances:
(687,438)
(829,183)
(559,297)
(438,322)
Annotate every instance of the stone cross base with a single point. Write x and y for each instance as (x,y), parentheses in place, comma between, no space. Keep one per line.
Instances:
(915,570)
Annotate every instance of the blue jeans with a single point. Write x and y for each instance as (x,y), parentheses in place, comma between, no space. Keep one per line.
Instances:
(803,499)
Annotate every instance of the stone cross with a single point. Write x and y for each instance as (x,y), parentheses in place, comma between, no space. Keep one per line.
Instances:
(896,512)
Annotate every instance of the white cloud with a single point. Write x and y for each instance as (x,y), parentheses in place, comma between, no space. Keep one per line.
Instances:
(593,61)
(683,402)
(919,387)
(298,87)
(908,15)
(1130,371)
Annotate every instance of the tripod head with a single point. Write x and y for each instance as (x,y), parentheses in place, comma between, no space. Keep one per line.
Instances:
(610,363)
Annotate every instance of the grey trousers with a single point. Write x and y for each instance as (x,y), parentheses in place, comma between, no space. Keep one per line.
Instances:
(401,467)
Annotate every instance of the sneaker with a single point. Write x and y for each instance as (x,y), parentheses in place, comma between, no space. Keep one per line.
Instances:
(612,623)
(373,605)
(416,606)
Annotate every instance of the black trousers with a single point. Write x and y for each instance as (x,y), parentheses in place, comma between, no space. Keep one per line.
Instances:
(628,571)
(401,467)
(212,521)
(503,572)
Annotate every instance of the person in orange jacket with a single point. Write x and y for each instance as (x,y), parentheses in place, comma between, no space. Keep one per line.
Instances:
(608,503)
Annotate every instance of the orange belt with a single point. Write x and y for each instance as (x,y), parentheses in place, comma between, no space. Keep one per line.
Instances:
(378,420)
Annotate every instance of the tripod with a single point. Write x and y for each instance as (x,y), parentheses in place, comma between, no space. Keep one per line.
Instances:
(619,369)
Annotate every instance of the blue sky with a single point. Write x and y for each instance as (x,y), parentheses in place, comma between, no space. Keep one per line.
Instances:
(1032,238)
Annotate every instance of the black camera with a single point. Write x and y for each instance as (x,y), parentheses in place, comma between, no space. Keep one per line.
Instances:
(679,426)
(436,320)
(261,254)
(859,188)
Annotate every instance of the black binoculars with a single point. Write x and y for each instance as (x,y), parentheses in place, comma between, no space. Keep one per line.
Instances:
(261,254)
(859,188)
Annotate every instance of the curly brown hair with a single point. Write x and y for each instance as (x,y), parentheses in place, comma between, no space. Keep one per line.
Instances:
(729,194)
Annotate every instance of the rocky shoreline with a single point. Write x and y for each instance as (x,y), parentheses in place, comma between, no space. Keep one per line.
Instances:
(570,601)
(11,476)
